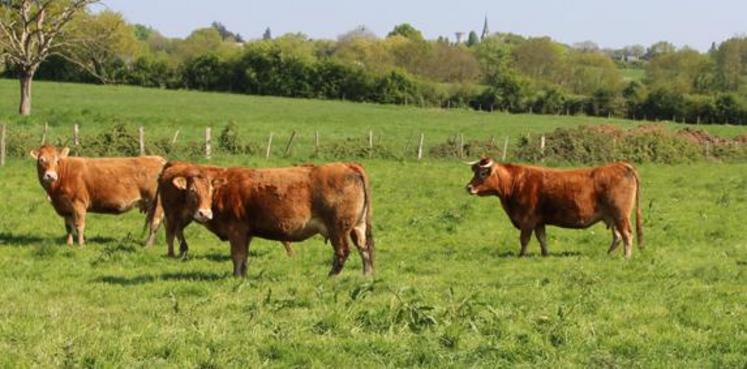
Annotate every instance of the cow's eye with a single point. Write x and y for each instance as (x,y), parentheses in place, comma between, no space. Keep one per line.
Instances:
(484,172)
(42,160)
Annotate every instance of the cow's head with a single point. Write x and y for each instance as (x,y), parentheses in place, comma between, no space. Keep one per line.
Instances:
(47,160)
(199,193)
(482,183)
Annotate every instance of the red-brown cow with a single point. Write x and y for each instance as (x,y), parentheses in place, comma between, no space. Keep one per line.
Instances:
(286,204)
(76,186)
(534,197)
(179,208)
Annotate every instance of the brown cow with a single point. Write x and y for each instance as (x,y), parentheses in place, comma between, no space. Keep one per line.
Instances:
(286,204)
(178,207)
(534,197)
(76,186)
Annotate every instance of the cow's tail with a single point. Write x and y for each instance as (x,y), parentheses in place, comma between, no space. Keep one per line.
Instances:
(638,214)
(155,211)
(370,245)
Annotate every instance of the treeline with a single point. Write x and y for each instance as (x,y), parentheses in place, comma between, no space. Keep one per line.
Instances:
(498,72)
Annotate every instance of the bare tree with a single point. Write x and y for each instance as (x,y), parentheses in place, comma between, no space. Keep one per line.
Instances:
(32,30)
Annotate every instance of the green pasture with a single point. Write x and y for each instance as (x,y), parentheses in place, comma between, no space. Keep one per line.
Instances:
(449,291)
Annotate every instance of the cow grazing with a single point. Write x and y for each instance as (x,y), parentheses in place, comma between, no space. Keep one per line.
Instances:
(76,186)
(179,208)
(286,204)
(534,197)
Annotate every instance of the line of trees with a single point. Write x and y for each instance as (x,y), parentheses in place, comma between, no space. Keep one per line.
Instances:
(501,71)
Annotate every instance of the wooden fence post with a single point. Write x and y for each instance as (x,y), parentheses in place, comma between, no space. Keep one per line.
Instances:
(208,144)
(420,146)
(461,146)
(2,144)
(290,143)
(370,143)
(141,135)
(542,147)
(269,146)
(176,135)
(76,135)
(44,134)
(316,142)
(505,150)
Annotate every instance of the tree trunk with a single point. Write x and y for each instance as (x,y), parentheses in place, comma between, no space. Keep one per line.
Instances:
(25,78)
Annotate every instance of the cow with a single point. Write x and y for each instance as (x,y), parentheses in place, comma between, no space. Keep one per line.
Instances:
(286,204)
(178,209)
(76,186)
(534,197)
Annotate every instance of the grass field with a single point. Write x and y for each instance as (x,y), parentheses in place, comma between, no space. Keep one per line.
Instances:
(448,292)
(633,74)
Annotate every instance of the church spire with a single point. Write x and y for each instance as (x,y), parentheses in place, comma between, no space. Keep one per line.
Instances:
(485,30)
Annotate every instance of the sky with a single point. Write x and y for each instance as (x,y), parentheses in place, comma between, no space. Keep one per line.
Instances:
(614,24)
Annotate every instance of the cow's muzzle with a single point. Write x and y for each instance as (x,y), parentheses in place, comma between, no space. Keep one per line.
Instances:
(49,176)
(203,215)
(471,190)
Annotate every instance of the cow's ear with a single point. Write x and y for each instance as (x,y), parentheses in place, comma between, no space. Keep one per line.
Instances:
(64,152)
(180,183)
(218,182)
(34,154)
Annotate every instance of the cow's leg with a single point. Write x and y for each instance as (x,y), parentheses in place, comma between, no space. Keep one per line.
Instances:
(153,229)
(70,228)
(358,235)
(627,235)
(170,234)
(615,239)
(79,221)
(539,232)
(288,249)
(526,235)
(342,250)
(239,253)
(183,246)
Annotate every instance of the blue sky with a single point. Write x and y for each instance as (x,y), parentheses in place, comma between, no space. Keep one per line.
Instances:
(609,23)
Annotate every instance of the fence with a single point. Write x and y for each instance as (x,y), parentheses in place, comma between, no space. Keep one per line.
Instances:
(369,146)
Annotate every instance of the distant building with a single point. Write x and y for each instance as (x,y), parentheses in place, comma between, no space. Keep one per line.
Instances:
(485,30)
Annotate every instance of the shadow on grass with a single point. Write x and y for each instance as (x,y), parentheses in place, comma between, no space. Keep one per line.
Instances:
(562,254)
(11,239)
(143,279)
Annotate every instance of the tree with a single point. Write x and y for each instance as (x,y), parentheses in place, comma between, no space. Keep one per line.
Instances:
(104,41)
(267,35)
(406,30)
(661,47)
(472,39)
(586,46)
(32,30)
(225,34)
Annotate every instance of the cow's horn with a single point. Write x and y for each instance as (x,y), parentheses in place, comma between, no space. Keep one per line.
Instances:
(488,165)
(471,163)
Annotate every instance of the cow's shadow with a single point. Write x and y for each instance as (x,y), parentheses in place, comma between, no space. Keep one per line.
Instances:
(10,239)
(144,279)
(515,254)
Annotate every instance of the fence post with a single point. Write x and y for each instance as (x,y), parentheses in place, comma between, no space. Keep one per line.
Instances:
(269,146)
(2,144)
(44,134)
(76,135)
(542,147)
(141,135)
(208,138)
(290,143)
(420,146)
(176,135)
(370,143)
(461,146)
(505,150)
(316,142)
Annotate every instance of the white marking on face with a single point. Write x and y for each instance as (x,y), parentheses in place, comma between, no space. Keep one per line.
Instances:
(203,215)
(50,176)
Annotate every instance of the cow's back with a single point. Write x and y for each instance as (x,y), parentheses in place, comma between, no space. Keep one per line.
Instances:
(290,204)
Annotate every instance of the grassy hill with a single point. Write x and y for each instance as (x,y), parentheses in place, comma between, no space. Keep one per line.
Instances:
(449,291)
